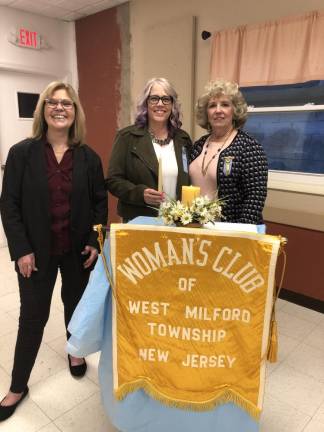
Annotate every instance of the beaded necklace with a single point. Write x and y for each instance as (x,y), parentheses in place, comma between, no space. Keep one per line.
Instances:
(204,168)
(161,142)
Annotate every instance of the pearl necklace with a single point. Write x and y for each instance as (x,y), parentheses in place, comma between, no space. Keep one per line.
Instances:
(204,168)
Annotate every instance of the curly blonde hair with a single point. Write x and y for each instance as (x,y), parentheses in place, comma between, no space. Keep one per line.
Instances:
(222,87)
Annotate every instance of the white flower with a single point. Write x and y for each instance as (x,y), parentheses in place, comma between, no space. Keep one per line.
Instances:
(204,212)
(166,205)
(186,218)
(199,201)
(167,220)
(204,219)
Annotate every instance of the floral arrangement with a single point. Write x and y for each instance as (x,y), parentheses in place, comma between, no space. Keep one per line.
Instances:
(201,210)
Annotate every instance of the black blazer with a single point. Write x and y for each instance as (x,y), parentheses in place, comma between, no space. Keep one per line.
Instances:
(24,202)
(133,167)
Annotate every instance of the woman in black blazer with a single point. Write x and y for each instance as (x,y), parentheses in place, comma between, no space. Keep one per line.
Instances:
(53,193)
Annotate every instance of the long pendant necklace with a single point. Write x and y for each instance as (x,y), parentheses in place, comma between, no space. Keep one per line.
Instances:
(204,168)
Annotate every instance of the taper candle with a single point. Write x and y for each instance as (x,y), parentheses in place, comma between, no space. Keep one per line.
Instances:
(160,178)
(189,193)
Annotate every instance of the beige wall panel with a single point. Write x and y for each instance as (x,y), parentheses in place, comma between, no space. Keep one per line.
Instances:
(295,209)
(162,55)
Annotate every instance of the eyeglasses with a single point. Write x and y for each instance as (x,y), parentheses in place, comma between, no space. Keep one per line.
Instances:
(67,104)
(154,100)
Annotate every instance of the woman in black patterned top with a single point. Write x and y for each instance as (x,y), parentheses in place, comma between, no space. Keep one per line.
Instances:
(227,162)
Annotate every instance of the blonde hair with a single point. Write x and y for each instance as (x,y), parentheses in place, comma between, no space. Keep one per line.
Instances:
(77,131)
(217,88)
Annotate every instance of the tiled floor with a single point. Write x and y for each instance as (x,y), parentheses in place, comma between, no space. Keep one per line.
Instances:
(294,399)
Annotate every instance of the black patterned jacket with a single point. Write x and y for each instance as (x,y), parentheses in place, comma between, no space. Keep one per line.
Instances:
(242,175)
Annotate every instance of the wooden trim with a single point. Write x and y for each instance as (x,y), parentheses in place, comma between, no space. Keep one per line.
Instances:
(302,300)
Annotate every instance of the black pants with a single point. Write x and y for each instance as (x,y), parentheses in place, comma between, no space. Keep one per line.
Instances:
(35,302)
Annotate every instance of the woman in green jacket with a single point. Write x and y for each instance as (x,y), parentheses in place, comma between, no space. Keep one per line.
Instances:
(155,143)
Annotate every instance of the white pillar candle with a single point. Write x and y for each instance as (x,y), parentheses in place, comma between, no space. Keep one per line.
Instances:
(160,177)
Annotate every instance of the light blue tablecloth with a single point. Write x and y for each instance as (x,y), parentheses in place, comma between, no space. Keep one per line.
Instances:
(90,330)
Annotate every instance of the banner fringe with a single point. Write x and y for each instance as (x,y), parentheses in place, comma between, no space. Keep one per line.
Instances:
(226,396)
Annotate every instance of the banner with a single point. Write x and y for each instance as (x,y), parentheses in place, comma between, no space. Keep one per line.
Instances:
(191,314)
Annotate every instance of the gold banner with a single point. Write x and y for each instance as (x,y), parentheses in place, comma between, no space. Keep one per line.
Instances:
(191,314)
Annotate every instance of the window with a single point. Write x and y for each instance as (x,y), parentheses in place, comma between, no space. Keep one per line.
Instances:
(293,137)
(289,122)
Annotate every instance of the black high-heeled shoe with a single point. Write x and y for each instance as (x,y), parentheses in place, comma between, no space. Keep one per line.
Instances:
(7,411)
(77,370)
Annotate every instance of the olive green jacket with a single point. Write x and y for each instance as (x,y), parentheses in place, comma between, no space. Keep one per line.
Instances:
(133,167)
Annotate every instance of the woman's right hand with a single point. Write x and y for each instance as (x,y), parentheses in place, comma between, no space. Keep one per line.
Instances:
(153,197)
(26,265)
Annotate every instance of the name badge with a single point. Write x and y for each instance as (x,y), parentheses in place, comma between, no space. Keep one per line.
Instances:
(228,162)
(184,160)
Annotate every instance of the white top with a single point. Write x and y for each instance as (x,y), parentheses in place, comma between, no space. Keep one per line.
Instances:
(166,156)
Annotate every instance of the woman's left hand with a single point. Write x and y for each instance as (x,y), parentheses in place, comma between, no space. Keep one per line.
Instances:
(93,253)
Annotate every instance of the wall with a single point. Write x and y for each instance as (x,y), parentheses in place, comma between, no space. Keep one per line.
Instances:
(305,254)
(58,60)
(102,53)
(296,209)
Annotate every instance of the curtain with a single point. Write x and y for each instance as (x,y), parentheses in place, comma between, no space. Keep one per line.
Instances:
(285,51)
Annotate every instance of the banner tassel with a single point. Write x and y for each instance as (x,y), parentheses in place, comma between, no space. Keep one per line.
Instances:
(272,354)
(273,342)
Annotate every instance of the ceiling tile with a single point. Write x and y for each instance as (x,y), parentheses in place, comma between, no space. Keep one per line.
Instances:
(68,10)
(55,11)
(28,6)
(54,3)
(73,16)
(89,10)
(74,5)
(6,2)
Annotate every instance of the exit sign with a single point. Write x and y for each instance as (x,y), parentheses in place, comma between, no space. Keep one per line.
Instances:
(28,38)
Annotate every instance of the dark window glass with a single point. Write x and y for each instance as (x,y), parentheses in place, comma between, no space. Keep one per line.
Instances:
(285,95)
(293,140)
(26,104)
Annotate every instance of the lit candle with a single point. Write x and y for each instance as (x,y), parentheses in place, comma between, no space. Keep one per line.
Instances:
(189,193)
(160,178)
